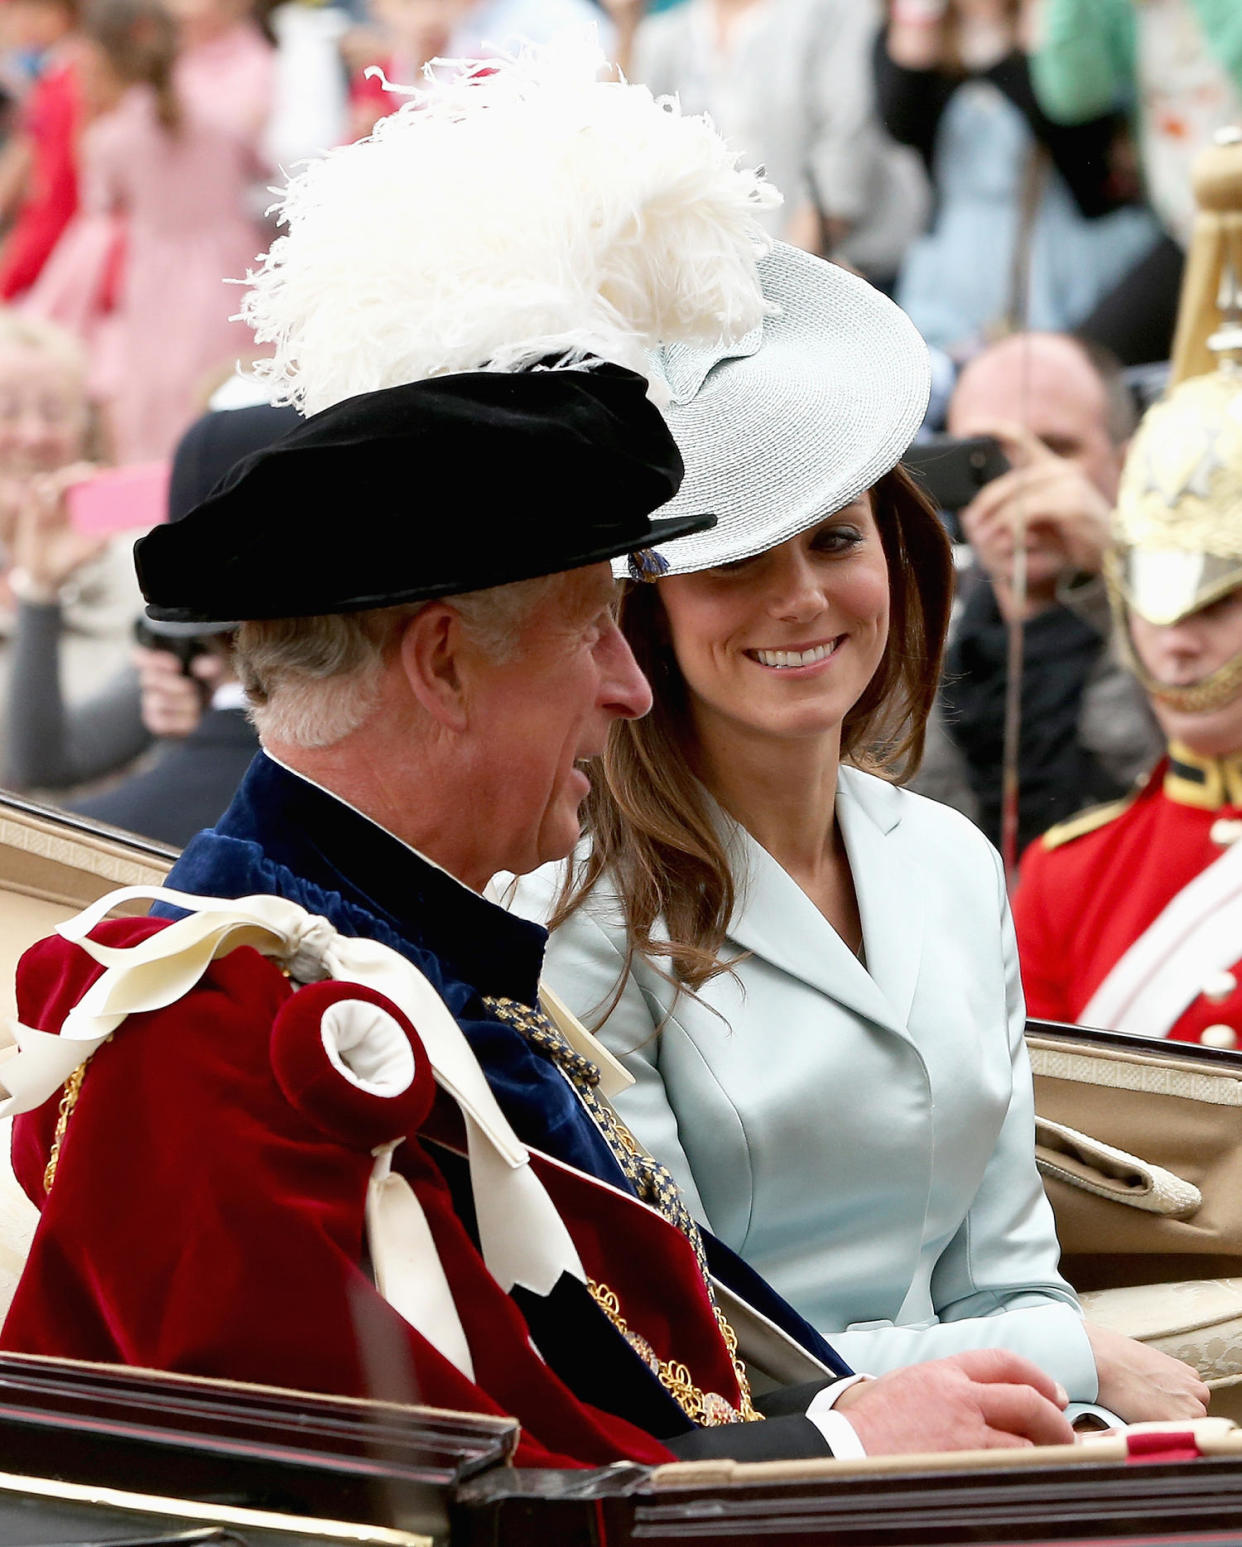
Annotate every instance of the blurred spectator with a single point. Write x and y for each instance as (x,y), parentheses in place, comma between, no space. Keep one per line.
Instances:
(45,428)
(198,770)
(173,156)
(408,34)
(484,27)
(38,166)
(225,68)
(789,84)
(415,32)
(1063,417)
(1178,65)
(1030,227)
(309,107)
(179,689)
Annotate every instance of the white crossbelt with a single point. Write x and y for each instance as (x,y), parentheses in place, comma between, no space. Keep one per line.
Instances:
(522,1237)
(1162,973)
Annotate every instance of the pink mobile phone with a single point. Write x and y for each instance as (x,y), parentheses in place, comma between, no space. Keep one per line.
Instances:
(120,499)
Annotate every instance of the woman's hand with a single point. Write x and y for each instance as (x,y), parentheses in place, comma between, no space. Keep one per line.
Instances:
(44,543)
(1141,1384)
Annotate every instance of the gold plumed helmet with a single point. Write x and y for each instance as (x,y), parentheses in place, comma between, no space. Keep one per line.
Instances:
(1177,528)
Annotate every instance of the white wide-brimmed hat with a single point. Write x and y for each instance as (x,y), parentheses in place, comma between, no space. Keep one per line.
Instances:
(813,406)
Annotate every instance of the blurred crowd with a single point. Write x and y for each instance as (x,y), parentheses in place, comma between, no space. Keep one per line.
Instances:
(1016,173)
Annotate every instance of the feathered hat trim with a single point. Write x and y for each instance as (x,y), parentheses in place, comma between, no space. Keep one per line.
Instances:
(506,213)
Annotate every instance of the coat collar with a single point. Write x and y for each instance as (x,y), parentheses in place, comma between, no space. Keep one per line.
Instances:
(776,920)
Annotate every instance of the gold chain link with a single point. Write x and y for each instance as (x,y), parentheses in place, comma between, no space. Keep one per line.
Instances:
(68,1100)
(706,1408)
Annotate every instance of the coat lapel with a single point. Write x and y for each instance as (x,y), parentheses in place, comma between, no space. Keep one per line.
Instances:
(777,921)
(891,893)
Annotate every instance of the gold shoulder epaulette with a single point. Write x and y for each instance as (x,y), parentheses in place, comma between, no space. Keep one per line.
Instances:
(1088,821)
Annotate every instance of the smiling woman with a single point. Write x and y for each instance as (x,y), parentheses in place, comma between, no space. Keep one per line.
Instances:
(809,971)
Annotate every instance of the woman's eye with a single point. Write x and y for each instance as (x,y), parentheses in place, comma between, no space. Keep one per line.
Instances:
(836,539)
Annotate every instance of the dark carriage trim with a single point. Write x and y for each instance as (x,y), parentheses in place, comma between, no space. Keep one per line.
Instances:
(1061,1031)
(257,1447)
(1090,1502)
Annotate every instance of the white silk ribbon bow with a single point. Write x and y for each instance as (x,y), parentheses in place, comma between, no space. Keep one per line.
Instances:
(522,1237)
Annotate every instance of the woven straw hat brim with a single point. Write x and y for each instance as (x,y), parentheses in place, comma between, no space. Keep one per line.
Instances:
(796,421)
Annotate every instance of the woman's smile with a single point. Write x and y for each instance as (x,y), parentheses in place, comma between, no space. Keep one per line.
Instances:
(797,658)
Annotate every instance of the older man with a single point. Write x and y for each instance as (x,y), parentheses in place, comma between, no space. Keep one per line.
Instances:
(244,1164)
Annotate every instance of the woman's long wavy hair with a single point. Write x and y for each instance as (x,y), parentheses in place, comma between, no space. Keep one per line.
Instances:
(648,818)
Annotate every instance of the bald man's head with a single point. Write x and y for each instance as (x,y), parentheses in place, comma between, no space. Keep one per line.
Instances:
(1049,383)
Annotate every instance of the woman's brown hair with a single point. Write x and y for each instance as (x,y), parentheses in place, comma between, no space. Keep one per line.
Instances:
(649,819)
(139,40)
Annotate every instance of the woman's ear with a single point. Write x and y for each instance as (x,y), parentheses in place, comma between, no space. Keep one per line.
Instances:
(431,652)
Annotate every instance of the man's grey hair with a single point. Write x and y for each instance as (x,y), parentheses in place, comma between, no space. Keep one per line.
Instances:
(311,681)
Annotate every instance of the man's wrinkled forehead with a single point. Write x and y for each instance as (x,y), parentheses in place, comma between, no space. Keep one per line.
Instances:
(591,590)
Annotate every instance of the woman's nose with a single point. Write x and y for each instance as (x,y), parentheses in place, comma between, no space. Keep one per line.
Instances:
(796,591)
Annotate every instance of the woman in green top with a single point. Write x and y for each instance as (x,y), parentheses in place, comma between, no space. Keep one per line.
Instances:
(1177,64)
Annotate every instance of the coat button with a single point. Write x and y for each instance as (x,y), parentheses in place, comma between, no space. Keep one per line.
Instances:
(1219,1036)
(1219,986)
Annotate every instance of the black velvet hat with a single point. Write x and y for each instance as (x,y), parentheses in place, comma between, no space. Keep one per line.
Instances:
(440,486)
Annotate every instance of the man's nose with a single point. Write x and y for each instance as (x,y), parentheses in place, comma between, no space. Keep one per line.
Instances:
(624,691)
(1181,639)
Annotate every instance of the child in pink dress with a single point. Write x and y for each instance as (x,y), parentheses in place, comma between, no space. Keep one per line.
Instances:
(175,160)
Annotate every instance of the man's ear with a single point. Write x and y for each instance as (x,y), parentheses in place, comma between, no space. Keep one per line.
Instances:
(431,656)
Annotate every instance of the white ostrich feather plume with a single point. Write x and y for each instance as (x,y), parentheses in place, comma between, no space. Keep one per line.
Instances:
(520,209)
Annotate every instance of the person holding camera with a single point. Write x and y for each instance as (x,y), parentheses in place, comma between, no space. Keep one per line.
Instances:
(1061,415)
(179,696)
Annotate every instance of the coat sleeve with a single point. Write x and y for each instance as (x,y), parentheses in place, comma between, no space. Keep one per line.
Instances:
(997,1283)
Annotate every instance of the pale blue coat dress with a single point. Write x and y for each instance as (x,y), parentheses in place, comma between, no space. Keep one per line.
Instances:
(863,1135)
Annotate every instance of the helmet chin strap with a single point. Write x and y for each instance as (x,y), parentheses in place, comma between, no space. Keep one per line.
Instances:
(1215,691)
(1212,692)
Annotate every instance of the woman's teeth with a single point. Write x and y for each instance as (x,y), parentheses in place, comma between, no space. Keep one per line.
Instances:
(788,658)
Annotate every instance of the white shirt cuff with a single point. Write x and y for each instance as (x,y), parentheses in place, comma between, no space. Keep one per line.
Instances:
(836,1428)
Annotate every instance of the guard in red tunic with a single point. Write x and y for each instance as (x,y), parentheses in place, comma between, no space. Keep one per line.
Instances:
(1130,915)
